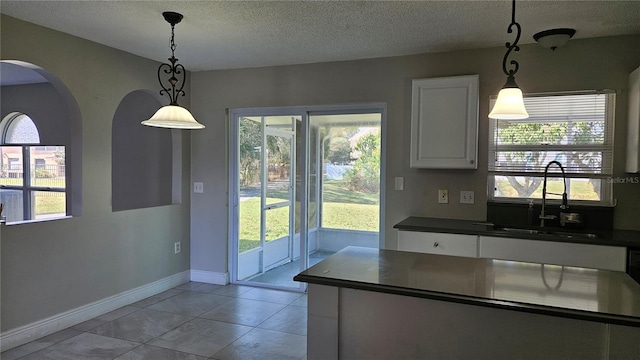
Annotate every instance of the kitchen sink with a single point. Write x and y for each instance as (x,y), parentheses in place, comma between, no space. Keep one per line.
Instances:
(551,233)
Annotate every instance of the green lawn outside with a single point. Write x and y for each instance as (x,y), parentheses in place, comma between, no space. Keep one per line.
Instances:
(46,202)
(351,216)
(343,209)
(50,203)
(48,182)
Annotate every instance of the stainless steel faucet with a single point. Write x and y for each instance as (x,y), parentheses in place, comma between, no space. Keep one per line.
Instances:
(564,205)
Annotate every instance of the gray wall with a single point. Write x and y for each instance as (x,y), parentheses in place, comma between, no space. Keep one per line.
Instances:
(51,267)
(600,63)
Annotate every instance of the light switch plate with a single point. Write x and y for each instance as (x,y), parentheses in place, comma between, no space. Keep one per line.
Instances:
(198,187)
(399,183)
(467,197)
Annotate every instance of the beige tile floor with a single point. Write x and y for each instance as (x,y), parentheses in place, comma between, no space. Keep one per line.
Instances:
(194,321)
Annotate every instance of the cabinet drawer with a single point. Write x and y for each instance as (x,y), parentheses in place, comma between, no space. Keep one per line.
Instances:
(438,243)
(557,253)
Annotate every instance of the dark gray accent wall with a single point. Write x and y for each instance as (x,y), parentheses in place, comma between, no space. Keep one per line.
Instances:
(44,105)
(582,64)
(48,268)
(142,156)
(57,115)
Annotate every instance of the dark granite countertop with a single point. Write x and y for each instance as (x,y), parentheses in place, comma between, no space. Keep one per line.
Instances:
(586,294)
(627,238)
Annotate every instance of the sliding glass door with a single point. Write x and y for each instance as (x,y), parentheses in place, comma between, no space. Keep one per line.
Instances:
(266,188)
(304,183)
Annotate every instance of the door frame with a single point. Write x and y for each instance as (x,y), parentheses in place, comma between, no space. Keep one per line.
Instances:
(304,112)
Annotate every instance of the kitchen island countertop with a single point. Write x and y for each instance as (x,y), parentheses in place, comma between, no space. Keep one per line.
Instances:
(570,292)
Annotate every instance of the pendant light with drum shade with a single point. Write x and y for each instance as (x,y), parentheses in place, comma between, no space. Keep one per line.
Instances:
(172,116)
(510,104)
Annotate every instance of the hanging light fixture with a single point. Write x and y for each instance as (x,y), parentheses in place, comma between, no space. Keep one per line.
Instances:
(173,115)
(510,104)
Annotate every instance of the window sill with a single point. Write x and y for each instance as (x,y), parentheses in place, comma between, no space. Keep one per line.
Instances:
(23,222)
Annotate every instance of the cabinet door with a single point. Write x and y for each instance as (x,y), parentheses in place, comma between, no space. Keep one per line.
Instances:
(444,123)
(438,243)
(556,253)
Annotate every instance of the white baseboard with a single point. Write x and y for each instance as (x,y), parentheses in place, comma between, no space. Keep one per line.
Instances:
(24,334)
(210,277)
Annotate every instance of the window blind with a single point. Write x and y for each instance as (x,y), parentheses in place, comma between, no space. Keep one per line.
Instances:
(575,129)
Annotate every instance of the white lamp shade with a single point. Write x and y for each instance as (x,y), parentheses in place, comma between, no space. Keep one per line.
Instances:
(173,117)
(509,105)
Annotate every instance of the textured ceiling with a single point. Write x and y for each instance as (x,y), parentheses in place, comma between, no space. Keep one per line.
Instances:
(239,34)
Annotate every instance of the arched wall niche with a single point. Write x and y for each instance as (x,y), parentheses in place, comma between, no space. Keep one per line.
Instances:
(33,90)
(145,161)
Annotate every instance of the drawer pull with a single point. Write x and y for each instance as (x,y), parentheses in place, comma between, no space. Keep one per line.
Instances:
(435,244)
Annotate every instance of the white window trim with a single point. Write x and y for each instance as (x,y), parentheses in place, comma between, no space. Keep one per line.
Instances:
(27,188)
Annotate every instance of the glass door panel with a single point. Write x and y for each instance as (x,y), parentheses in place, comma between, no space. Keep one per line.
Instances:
(265,190)
(249,251)
(277,236)
(277,209)
(347,161)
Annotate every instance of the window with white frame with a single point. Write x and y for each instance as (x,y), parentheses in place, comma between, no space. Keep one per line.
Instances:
(32,178)
(575,129)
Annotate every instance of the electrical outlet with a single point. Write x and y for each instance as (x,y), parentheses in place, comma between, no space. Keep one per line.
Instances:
(176,247)
(443,196)
(198,187)
(467,197)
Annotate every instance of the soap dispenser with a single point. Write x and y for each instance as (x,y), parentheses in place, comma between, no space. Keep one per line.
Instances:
(531,217)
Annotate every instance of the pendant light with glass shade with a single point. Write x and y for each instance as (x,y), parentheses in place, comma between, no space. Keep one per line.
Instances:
(172,116)
(510,104)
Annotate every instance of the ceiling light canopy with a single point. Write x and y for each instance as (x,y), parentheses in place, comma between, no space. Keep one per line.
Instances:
(510,104)
(554,38)
(173,115)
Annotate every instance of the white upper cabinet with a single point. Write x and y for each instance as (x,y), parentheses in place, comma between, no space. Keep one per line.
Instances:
(444,123)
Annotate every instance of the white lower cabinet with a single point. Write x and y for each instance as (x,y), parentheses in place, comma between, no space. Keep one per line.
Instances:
(438,243)
(556,253)
(535,251)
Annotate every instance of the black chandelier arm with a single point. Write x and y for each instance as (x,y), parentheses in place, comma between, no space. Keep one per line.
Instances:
(512,47)
(170,90)
(180,70)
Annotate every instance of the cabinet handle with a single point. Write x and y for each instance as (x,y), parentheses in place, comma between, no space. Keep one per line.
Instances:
(435,244)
